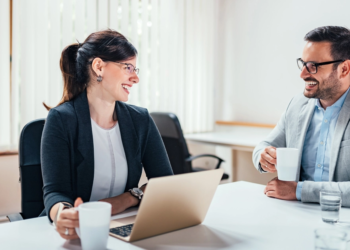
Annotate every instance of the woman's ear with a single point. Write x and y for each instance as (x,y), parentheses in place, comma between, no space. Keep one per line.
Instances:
(97,66)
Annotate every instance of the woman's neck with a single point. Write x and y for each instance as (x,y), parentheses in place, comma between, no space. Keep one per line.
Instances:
(101,109)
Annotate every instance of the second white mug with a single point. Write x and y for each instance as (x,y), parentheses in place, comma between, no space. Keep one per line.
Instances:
(287,163)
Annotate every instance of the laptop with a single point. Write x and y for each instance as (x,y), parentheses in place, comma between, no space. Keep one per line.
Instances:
(169,203)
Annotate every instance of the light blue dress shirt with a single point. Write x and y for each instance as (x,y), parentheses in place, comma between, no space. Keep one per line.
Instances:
(318,142)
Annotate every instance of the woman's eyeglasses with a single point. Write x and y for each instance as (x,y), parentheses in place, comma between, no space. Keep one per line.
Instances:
(311,67)
(129,67)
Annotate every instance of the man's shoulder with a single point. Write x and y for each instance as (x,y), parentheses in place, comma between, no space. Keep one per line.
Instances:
(298,102)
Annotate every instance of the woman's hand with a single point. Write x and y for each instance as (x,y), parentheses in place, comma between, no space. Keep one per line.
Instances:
(69,219)
(121,202)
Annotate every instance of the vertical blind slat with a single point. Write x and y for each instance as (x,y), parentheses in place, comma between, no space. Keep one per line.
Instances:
(41,48)
(91,24)
(27,69)
(55,84)
(67,23)
(103,13)
(125,18)
(144,74)
(79,24)
(16,50)
(5,75)
(154,57)
(113,15)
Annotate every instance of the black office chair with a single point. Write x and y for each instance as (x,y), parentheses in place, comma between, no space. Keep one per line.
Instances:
(30,171)
(181,161)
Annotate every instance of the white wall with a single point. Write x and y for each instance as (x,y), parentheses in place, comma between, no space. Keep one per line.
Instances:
(259,42)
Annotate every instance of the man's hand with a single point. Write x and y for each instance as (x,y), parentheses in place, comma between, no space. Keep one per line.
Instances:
(268,159)
(284,190)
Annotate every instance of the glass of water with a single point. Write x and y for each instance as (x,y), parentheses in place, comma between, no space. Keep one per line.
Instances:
(330,202)
(330,239)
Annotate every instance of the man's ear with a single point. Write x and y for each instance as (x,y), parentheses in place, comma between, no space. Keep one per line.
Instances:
(97,66)
(344,69)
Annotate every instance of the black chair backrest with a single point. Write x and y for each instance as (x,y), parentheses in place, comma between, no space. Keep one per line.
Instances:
(30,169)
(170,129)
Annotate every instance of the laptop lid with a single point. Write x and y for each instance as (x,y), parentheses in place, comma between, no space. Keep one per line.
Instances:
(175,202)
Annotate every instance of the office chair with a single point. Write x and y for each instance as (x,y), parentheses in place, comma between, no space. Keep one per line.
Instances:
(180,159)
(30,171)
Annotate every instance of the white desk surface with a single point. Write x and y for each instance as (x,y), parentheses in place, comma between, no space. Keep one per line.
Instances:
(240,217)
(237,136)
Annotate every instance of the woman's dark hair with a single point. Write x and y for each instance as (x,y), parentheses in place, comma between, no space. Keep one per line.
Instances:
(338,36)
(75,62)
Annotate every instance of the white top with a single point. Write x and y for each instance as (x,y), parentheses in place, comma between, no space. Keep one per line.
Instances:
(240,217)
(111,168)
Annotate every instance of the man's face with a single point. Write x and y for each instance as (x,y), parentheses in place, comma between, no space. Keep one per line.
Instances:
(325,84)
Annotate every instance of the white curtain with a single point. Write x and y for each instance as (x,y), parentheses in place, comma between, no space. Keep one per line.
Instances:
(174,38)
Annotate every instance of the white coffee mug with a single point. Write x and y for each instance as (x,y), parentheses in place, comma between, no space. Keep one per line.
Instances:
(287,163)
(94,220)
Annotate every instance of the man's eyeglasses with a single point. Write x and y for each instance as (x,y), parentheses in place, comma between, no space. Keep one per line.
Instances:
(312,66)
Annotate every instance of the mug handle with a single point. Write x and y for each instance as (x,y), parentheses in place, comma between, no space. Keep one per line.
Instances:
(77,229)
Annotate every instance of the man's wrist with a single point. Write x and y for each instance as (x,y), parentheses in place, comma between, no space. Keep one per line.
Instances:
(299,190)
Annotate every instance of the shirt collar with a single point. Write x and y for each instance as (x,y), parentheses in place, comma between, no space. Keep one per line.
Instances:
(339,103)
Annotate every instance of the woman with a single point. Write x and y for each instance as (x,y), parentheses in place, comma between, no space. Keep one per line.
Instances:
(94,145)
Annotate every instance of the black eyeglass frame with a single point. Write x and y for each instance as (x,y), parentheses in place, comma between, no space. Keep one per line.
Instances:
(136,70)
(316,64)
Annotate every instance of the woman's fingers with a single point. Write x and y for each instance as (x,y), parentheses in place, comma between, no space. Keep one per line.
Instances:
(71,214)
(69,223)
(78,201)
(69,237)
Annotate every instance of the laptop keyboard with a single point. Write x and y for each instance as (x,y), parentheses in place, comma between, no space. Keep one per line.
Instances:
(123,231)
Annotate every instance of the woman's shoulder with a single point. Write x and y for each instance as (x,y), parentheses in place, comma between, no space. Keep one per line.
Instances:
(135,111)
(65,111)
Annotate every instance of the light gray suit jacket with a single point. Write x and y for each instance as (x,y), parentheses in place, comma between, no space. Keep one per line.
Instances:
(291,131)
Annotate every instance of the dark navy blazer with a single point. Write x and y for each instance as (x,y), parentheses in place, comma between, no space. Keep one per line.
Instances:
(67,153)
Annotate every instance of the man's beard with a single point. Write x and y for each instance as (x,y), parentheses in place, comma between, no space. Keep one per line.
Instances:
(331,87)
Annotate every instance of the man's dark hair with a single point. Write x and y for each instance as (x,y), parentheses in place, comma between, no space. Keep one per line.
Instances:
(339,37)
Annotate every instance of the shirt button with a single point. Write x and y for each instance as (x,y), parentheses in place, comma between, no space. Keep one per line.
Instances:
(326,120)
(319,165)
(321,142)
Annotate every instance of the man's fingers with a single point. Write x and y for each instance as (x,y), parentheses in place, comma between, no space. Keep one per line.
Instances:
(271,151)
(267,157)
(267,166)
(271,194)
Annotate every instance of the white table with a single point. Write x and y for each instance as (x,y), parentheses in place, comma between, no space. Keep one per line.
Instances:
(235,147)
(239,137)
(240,217)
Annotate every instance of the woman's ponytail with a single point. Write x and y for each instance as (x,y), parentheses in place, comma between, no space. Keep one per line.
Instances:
(71,87)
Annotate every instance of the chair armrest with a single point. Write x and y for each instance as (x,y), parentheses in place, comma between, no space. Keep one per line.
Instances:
(14,217)
(191,158)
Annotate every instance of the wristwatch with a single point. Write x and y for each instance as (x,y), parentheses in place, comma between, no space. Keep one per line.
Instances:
(61,207)
(136,192)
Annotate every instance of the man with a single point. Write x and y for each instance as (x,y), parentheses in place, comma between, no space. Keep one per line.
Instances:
(315,122)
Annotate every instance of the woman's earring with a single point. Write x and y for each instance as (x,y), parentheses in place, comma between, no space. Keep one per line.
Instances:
(99,78)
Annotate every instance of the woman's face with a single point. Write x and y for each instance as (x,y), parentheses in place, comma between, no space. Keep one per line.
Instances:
(117,79)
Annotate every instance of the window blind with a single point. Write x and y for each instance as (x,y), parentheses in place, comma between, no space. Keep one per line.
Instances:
(174,38)
(5,137)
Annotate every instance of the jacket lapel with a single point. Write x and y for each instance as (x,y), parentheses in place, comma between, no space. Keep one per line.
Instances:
(85,170)
(342,122)
(131,145)
(303,125)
